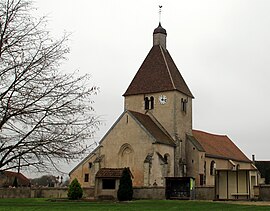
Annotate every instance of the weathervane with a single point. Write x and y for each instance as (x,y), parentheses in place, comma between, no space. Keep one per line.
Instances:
(160,6)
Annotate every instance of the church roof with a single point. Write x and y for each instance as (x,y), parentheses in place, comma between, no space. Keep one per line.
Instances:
(219,146)
(195,143)
(158,73)
(152,128)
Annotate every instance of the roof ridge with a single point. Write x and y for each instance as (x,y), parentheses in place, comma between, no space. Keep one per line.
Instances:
(167,66)
(219,145)
(213,134)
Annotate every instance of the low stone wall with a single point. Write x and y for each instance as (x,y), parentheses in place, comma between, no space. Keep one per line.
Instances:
(205,193)
(43,192)
(201,193)
(49,192)
(15,193)
(264,192)
(89,192)
(148,192)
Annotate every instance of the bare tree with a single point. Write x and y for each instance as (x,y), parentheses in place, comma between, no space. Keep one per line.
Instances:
(45,115)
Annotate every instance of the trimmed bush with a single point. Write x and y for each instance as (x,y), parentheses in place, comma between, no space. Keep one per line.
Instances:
(15,182)
(125,191)
(75,190)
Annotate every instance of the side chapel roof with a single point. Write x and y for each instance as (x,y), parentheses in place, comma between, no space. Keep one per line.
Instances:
(111,173)
(219,146)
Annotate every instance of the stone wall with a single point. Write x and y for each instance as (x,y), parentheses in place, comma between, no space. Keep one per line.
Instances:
(15,193)
(205,193)
(48,193)
(264,192)
(201,193)
(44,192)
(149,193)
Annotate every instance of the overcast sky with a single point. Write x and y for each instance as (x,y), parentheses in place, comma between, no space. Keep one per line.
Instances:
(221,47)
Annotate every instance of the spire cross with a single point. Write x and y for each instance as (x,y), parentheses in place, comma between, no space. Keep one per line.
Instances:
(160,6)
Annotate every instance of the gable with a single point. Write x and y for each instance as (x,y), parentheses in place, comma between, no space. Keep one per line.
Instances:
(86,159)
(152,128)
(219,146)
(148,125)
(158,73)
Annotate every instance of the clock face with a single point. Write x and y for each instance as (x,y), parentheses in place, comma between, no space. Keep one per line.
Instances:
(162,99)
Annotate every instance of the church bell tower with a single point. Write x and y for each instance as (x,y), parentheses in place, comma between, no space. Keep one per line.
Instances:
(159,90)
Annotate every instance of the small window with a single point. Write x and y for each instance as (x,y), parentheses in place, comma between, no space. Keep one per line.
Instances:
(146,103)
(212,168)
(90,164)
(151,102)
(184,105)
(86,177)
(108,184)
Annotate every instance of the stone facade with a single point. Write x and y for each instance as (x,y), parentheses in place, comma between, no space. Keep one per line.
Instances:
(145,159)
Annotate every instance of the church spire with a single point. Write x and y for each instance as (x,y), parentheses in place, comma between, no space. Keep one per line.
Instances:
(160,34)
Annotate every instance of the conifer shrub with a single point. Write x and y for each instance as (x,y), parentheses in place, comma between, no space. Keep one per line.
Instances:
(75,190)
(15,182)
(125,191)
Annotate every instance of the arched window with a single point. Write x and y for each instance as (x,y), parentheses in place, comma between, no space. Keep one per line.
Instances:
(151,102)
(90,165)
(184,105)
(212,167)
(126,155)
(168,162)
(146,103)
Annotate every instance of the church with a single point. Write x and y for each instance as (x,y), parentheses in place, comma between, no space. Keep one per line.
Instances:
(155,139)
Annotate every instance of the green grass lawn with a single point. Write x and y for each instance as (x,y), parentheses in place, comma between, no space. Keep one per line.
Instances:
(147,205)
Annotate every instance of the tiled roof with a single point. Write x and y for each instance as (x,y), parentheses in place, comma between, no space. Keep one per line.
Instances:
(146,121)
(110,173)
(219,146)
(158,73)
(22,180)
(196,143)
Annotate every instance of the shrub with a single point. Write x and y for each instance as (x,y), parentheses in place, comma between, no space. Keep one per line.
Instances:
(75,190)
(125,191)
(15,182)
